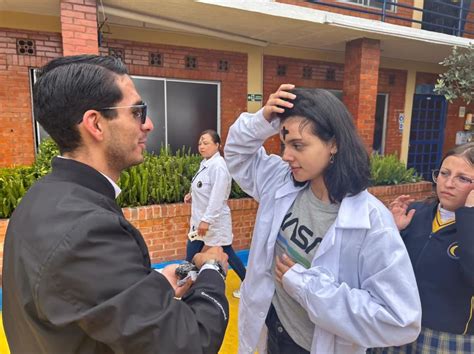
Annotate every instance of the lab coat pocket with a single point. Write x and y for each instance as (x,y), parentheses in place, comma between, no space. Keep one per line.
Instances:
(204,184)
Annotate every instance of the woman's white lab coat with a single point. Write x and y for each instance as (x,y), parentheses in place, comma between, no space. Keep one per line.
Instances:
(360,290)
(210,189)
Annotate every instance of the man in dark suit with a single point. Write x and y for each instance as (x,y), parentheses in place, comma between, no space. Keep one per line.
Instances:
(76,274)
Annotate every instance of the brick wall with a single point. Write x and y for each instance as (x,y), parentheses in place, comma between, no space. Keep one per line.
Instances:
(79,27)
(294,75)
(393,82)
(164,227)
(233,82)
(16,130)
(361,71)
(419,191)
(399,11)
(469,26)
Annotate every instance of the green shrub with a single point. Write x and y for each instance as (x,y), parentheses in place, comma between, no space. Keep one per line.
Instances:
(14,182)
(162,178)
(388,170)
(46,151)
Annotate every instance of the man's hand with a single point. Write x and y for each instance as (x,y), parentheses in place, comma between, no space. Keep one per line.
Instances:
(216,253)
(278,101)
(399,211)
(282,265)
(170,274)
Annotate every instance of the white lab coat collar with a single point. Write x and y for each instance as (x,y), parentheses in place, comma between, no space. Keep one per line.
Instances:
(346,218)
(207,162)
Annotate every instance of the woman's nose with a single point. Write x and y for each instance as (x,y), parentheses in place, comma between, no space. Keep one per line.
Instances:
(287,156)
(449,182)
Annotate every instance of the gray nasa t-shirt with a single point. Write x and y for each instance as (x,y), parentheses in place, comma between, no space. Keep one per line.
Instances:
(301,232)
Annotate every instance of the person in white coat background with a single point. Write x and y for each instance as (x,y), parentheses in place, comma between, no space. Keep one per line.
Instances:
(327,271)
(210,214)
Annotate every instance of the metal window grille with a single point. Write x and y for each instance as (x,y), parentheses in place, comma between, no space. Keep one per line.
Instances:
(331,74)
(156,59)
(25,47)
(118,53)
(281,70)
(190,62)
(307,72)
(223,65)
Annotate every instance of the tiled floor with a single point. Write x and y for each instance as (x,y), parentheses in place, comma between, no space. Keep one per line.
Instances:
(230,340)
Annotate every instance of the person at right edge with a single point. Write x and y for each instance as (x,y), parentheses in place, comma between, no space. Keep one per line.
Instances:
(439,236)
(328,271)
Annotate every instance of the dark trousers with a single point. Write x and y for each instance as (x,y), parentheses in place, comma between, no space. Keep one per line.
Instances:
(279,341)
(194,247)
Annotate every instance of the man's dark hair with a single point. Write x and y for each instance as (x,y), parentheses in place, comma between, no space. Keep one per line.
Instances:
(329,119)
(69,86)
(216,139)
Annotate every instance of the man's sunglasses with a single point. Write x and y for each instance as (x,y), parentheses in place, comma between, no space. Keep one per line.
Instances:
(138,111)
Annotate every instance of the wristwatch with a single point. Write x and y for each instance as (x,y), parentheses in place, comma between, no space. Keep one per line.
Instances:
(215,264)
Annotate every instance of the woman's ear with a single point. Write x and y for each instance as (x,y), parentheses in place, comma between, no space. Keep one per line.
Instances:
(333,146)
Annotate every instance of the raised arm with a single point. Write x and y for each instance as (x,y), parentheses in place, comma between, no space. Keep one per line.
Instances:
(248,163)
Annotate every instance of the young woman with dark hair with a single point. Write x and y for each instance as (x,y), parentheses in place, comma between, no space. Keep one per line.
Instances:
(210,214)
(439,236)
(328,271)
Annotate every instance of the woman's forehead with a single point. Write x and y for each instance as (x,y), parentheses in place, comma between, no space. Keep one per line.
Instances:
(459,163)
(205,137)
(295,125)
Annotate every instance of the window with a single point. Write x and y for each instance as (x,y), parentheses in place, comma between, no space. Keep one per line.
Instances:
(373,3)
(380,128)
(179,109)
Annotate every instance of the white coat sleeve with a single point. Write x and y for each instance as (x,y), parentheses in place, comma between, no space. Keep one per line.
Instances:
(384,311)
(221,181)
(249,164)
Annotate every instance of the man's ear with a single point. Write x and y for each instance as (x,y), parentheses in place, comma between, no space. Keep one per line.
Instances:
(93,123)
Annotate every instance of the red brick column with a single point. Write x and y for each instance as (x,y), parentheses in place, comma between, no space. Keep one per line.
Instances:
(16,125)
(79,27)
(361,73)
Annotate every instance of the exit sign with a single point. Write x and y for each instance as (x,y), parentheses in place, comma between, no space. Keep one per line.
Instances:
(254,97)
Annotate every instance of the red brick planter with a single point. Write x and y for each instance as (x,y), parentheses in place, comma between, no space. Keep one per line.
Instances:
(165,226)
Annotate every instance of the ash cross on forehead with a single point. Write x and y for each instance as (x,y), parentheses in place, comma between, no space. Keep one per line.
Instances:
(284,132)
